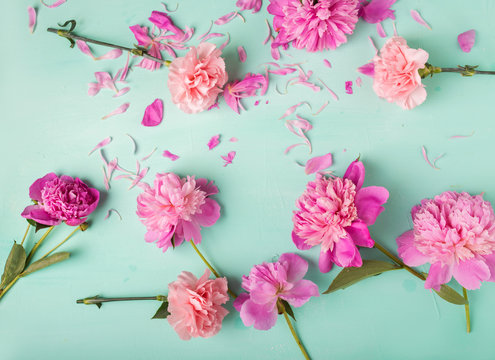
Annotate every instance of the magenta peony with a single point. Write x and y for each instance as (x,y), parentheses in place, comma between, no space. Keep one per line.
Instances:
(60,199)
(315,26)
(335,213)
(196,79)
(456,234)
(396,77)
(195,306)
(269,282)
(177,207)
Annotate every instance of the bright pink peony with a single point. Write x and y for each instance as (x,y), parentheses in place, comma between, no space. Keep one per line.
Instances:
(456,234)
(177,206)
(335,213)
(195,306)
(196,79)
(269,282)
(396,77)
(315,26)
(254,5)
(60,199)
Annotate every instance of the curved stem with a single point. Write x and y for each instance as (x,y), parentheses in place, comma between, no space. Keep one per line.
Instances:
(466,307)
(37,245)
(396,260)
(98,300)
(2,292)
(25,234)
(61,243)
(294,334)
(209,266)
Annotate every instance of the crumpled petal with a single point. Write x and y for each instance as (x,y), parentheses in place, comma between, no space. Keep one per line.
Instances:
(153,115)
(466,40)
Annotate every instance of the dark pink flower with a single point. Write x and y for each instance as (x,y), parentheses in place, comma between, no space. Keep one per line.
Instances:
(61,199)
(240,89)
(335,213)
(375,11)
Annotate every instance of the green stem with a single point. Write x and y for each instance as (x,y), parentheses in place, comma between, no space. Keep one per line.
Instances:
(466,70)
(294,334)
(98,300)
(61,243)
(37,245)
(399,262)
(466,307)
(25,234)
(2,292)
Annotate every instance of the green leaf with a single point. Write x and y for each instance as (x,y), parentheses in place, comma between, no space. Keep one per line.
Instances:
(287,308)
(352,275)
(162,311)
(450,295)
(43,263)
(14,265)
(37,226)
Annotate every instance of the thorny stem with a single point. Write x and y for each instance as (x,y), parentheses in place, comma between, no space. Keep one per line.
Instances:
(25,234)
(98,300)
(466,307)
(37,245)
(294,334)
(396,260)
(210,267)
(61,243)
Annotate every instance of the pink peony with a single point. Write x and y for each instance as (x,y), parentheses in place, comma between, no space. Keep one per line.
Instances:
(60,199)
(196,79)
(315,26)
(177,207)
(195,306)
(396,76)
(335,213)
(456,234)
(254,5)
(269,282)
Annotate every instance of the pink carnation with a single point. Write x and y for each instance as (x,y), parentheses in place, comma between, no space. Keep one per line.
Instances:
(61,199)
(335,213)
(269,282)
(196,79)
(456,234)
(195,306)
(177,207)
(314,25)
(396,76)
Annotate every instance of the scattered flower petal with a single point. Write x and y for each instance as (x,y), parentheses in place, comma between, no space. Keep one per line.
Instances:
(102,143)
(423,149)
(269,36)
(226,18)
(254,5)
(233,139)
(417,17)
(380,30)
(112,54)
(32,18)
(149,155)
(122,92)
(322,107)
(120,110)
(461,136)
(134,144)
(225,43)
(55,4)
(293,108)
(206,33)
(348,87)
(110,211)
(211,36)
(169,155)
(213,142)
(466,40)
(334,95)
(359,81)
(153,115)
(240,89)
(376,11)
(318,163)
(229,158)
(242,54)
(327,63)
(367,69)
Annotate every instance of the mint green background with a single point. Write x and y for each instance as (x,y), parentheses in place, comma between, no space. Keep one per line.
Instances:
(50,124)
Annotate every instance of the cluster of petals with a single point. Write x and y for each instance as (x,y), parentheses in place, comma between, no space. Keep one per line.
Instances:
(455,233)
(240,89)
(195,306)
(269,282)
(375,11)
(177,207)
(335,213)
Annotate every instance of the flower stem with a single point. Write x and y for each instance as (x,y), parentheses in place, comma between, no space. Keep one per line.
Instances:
(466,70)
(37,245)
(61,243)
(466,307)
(294,334)
(25,234)
(98,300)
(396,260)
(233,294)
(2,292)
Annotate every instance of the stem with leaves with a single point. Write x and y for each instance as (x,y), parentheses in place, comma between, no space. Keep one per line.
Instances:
(293,331)
(466,70)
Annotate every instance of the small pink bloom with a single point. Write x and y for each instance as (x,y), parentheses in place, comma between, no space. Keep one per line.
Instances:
(269,282)
(196,79)
(455,233)
(375,11)
(396,76)
(195,306)
(177,207)
(254,5)
(315,26)
(240,89)
(60,199)
(335,213)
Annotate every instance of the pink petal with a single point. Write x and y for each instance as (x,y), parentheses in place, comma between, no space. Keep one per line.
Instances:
(262,316)
(233,139)
(462,136)
(38,214)
(149,155)
(269,36)
(359,81)
(81,45)
(327,63)
(153,115)
(325,261)
(241,299)
(380,30)
(367,69)
(169,155)
(210,213)
(408,252)
(110,211)
(229,158)
(122,92)
(112,54)
(355,172)
(470,273)
(439,274)
(322,107)
(32,18)
(490,262)
(417,17)
(126,68)
(377,10)
(293,108)
(283,71)
(55,4)
(334,95)
(359,233)
(297,266)
(299,242)
(466,40)
(213,142)
(102,143)
(121,109)
(191,231)
(226,18)
(318,163)
(242,54)
(348,87)
(425,156)
(346,254)
(211,36)
(369,201)
(302,291)
(38,185)
(225,43)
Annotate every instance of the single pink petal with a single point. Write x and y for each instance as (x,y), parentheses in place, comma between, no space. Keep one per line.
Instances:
(300,293)
(408,252)
(466,40)
(225,43)
(376,11)
(38,214)
(81,45)
(293,108)
(149,155)
(242,54)
(325,261)
(369,201)
(346,254)
(462,136)
(122,92)
(213,142)
(359,81)
(121,109)
(470,273)
(327,63)
(141,35)
(380,30)
(126,68)
(348,87)
(241,299)
(211,36)
(425,156)
(102,143)
(269,36)
(55,4)
(359,233)
(322,107)
(233,139)
(32,18)
(206,33)
(275,51)
(169,155)
(226,18)
(153,115)
(112,54)
(228,158)
(334,95)
(356,172)
(110,211)
(296,266)
(210,213)
(299,242)
(318,163)
(367,69)
(283,71)
(417,17)
(439,274)
(262,316)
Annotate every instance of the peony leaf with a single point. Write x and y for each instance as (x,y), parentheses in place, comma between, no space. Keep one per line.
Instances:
(37,226)
(14,265)
(287,308)
(43,263)
(450,295)
(351,275)
(162,311)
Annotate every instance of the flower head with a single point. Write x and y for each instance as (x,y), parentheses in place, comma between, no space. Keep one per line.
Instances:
(335,213)
(239,89)
(269,282)
(60,199)
(396,77)
(196,79)
(177,206)
(455,232)
(195,306)
(315,26)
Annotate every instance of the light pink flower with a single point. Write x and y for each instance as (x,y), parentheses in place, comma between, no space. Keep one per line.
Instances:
(195,306)
(455,232)
(61,199)
(240,89)
(269,282)
(196,79)
(375,11)
(396,77)
(335,213)
(177,207)
(315,26)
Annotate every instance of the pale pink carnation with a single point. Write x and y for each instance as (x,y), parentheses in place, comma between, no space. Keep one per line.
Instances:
(195,306)
(177,207)
(335,213)
(196,79)
(396,77)
(315,26)
(455,232)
